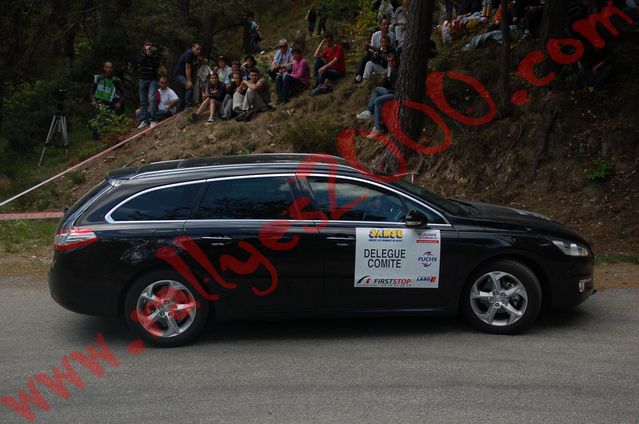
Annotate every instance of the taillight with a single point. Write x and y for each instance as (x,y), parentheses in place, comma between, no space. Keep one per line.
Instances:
(73,237)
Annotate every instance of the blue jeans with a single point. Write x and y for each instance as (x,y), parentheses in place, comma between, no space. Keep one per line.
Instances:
(148,105)
(379,104)
(328,74)
(162,114)
(188,92)
(377,92)
(286,85)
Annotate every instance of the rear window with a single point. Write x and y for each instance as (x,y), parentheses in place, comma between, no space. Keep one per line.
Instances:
(88,197)
(173,203)
(248,198)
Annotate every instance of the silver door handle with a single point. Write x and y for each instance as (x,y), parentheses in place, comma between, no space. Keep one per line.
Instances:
(342,241)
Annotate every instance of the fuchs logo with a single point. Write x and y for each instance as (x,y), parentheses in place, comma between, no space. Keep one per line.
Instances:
(427,278)
(364,281)
(427,259)
(376,234)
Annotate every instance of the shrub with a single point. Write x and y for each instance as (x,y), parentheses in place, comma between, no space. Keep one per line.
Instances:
(110,122)
(600,171)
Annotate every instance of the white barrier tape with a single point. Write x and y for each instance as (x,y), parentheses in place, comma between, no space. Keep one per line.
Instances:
(84,162)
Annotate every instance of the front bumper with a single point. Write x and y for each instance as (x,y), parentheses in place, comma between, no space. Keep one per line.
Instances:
(574,284)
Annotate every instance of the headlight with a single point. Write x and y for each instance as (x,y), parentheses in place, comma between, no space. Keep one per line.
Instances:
(571,249)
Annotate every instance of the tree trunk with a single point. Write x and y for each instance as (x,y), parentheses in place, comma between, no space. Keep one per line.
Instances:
(68,48)
(505,106)
(104,19)
(1,101)
(208,28)
(552,26)
(554,20)
(413,68)
(246,40)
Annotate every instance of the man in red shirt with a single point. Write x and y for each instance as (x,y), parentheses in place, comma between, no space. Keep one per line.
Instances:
(329,64)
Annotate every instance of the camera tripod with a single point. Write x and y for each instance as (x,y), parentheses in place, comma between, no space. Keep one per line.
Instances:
(58,123)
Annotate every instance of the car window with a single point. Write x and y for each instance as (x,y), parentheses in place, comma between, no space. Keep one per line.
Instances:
(433,218)
(248,198)
(361,202)
(432,198)
(170,203)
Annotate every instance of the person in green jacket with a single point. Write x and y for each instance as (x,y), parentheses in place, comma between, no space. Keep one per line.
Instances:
(107,95)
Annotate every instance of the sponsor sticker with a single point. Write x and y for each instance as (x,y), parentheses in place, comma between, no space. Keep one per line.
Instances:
(397,258)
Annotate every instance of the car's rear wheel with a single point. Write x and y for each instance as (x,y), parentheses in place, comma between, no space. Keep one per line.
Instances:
(165,310)
(503,297)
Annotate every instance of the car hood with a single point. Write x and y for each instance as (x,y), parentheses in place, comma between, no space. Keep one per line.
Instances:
(500,217)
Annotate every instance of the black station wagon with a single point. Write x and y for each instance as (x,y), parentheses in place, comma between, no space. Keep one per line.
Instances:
(170,244)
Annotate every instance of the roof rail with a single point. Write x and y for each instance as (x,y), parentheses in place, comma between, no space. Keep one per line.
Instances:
(191,165)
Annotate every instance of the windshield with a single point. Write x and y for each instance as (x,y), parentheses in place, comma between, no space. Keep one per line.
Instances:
(450,206)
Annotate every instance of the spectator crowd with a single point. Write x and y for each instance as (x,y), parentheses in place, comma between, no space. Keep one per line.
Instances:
(241,90)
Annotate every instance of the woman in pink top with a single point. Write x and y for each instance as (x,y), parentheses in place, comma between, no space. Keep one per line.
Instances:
(296,82)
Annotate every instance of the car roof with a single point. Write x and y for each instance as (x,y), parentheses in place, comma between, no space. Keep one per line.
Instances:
(208,167)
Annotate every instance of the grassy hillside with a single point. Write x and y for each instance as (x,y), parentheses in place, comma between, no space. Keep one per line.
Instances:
(585,176)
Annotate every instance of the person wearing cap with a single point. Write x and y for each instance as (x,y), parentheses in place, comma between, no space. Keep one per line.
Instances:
(283,59)
(224,71)
(329,64)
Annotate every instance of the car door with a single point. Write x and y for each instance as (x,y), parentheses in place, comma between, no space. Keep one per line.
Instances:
(142,225)
(371,212)
(262,260)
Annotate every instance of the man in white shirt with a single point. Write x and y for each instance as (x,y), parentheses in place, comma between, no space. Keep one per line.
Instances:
(167,101)
(374,47)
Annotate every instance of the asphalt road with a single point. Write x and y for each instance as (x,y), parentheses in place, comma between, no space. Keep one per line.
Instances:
(576,367)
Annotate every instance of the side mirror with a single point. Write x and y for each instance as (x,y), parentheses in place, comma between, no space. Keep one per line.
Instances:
(415,219)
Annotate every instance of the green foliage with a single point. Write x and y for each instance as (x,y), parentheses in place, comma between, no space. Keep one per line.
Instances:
(600,171)
(26,236)
(29,107)
(243,152)
(107,121)
(344,9)
(313,136)
(357,31)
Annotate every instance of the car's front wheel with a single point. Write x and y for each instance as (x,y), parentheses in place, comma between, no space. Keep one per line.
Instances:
(165,310)
(503,297)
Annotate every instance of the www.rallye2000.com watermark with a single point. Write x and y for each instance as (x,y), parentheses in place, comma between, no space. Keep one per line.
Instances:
(272,234)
